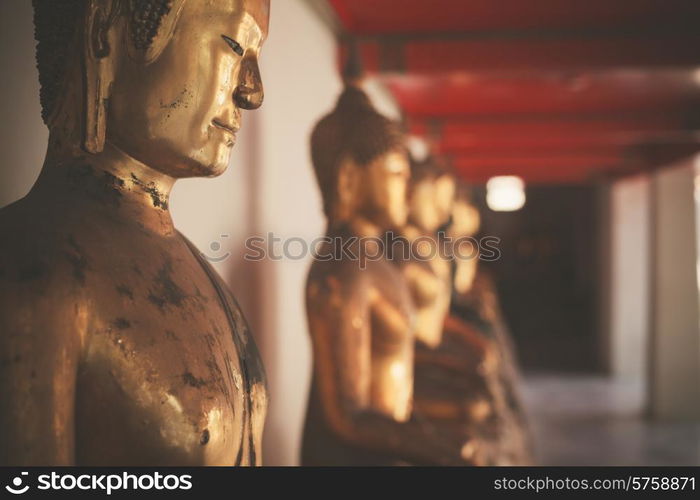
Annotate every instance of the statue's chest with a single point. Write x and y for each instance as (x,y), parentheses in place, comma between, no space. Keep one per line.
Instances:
(165,376)
(393,314)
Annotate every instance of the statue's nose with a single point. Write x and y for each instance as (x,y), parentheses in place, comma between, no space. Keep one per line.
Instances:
(249,92)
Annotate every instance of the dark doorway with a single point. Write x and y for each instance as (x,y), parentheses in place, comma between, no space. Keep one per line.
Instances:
(547,277)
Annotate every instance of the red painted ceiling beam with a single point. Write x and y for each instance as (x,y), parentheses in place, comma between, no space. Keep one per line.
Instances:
(543,161)
(539,170)
(607,122)
(460,136)
(538,178)
(535,176)
(569,168)
(536,92)
(534,147)
(447,54)
(419,16)
(519,55)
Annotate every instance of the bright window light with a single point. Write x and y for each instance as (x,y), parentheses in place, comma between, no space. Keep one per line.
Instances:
(505,193)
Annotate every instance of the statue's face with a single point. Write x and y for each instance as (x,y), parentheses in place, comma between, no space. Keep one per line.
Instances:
(465,219)
(385,187)
(445,186)
(180,113)
(431,201)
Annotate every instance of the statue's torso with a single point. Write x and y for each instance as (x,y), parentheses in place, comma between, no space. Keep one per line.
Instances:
(393,321)
(429,283)
(165,373)
(162,377)
(389,312)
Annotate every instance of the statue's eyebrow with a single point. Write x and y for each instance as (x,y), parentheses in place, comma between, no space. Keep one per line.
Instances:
(233,44)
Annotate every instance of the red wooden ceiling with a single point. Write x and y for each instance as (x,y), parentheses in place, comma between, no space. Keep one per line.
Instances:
(552,90)
(379,17)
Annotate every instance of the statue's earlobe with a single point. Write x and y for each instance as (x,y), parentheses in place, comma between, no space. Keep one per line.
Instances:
(347,185)
(99,71)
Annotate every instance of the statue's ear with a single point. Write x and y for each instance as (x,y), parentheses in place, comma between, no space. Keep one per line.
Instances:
(99,58)
(348,184)
(163,33)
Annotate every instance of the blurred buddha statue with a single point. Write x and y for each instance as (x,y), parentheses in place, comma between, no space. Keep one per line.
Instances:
(475,303)
(119,344)
(428,267)
(428,273)
(454,365)
(360,312)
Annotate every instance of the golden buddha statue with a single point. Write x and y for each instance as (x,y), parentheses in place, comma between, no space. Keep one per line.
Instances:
(430,202)
(360,313)
(454,363)
(475,303)
(119,344)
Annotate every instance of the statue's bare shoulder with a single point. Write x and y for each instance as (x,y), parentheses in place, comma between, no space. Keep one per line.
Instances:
(337,281)
(41,269)
(40,274)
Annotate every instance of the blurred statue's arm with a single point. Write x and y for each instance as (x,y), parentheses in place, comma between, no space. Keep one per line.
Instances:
(38,366)
(425,286)
(484,353)
(341,331)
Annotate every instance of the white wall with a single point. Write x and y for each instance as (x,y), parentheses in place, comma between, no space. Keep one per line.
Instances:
(675,350)
(301,84)
(23,135)
(653,300)
(630,275)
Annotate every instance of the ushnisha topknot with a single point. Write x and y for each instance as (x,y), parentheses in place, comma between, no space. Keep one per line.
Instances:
(353,129)
(57,28)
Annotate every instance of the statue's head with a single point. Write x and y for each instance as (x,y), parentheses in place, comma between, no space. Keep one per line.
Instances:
(466,220)
(465,223)
(432,191)
(361,163)
(162,80)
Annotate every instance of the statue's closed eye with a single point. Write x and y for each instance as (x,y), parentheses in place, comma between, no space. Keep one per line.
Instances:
(234,45)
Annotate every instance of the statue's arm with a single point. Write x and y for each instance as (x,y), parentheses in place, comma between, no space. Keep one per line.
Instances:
(341,332)
(38,361)
(424,285)
(483,350)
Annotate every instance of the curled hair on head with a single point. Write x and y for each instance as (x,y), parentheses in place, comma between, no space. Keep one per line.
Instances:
(145,19)
(58,28)
(354,130)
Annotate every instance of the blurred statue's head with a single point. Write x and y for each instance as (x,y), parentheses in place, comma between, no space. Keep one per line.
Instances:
(361,162)
(432,192)
(162,80)
(465,223)
(466,219)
